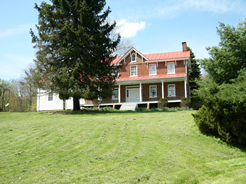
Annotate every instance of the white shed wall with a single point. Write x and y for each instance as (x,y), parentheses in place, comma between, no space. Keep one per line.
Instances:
(43,104)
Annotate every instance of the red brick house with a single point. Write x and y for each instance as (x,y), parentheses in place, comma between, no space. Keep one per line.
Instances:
(145,78)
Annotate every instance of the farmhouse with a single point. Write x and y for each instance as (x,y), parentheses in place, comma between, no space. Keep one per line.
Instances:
(143,80)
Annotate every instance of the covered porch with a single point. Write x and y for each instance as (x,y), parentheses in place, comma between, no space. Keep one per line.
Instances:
(151,90)
(146,93)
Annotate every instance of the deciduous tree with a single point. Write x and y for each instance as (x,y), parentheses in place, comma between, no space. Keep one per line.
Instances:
(5,86)
(227,59)
(28,86)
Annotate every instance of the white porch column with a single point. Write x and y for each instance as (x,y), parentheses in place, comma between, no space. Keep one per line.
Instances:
(185,86)
(98,88)
(140,91)
(119,96)
(162,89)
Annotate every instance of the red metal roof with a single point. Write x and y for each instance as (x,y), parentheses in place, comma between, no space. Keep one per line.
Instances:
(168,55)
(115,61)
(161,56)
(151,77)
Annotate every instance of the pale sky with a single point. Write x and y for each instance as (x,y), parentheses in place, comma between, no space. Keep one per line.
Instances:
(152,26)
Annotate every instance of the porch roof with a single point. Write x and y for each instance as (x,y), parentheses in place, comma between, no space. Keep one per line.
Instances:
(151,77)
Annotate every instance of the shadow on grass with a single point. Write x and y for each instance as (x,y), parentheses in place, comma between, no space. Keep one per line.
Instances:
(88,112)
(220,140)
(113,111)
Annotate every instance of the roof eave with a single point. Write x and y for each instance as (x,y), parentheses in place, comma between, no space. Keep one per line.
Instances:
(150,78)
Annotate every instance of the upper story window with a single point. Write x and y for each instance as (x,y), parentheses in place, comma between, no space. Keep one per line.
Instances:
(171,90)
(115,94)
(170,68)
(152,69)
(116,73)
(134,71)
(50,96)
(133,57)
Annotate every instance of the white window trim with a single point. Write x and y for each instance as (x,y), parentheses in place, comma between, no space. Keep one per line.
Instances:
(135,57)
(131,71)
(155,69)
(174,90)
(168,72)
(150,91)
(117,94)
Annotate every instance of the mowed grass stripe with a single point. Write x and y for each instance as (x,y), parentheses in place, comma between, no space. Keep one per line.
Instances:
(106,160)
(44,144)
(128,147)
(124,151)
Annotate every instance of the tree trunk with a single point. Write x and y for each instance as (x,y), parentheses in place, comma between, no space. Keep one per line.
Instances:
(76,105)
(64,104)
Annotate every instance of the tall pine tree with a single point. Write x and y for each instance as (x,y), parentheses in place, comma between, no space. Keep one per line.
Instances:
(194,74)
(74,48)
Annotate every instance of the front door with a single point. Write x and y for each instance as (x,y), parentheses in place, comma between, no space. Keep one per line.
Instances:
(132,94)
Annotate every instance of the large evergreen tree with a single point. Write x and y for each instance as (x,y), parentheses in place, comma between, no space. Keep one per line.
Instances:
(74,48)
(194,75)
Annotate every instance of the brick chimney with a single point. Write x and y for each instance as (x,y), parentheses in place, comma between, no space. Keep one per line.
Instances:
(184,46)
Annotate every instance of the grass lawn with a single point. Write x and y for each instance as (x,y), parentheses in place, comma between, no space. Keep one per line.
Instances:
(120,147)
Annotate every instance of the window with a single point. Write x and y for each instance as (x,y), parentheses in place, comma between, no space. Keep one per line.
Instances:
(133,57)
(116,73)
(170,68)
(50,97)
(115,94)
(152,69)
(133,71)
(171,90)
(153,91)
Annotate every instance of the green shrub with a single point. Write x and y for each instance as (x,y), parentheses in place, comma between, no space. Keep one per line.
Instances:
(162,102)
(107,109)
(185,102)
(140,109)
(205,121)
(96,102)
(195,104)
(224,110)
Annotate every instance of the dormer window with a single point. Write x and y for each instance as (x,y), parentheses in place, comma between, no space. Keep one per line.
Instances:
(133,57)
